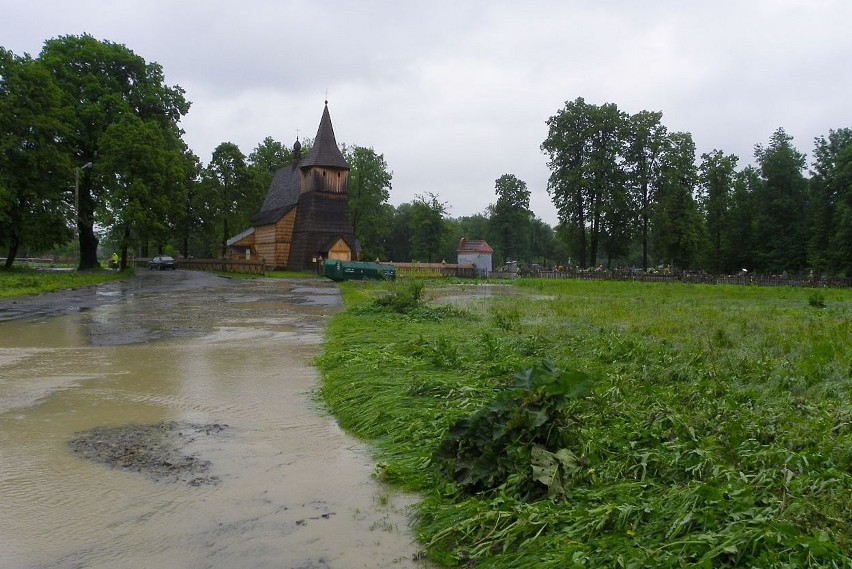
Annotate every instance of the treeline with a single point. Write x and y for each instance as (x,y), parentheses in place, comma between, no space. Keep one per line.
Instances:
(92,155)
(627,190)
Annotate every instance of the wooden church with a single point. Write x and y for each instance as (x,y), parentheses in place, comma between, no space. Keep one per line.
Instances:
(305,216)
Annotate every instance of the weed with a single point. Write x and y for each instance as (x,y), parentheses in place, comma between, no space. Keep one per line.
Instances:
(516,442)
(506,319)
(402,297)
(817,299)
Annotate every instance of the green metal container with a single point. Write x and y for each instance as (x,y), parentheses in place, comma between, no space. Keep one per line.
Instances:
(357,271)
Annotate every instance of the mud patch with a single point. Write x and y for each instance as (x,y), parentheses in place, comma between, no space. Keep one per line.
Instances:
(159,451)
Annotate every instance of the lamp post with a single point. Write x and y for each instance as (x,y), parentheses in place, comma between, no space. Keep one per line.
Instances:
(77,171)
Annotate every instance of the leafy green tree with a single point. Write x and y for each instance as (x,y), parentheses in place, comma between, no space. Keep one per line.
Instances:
(830,244)
(141,169)
(231,195)
(543,245)
(399,241)
(467,227)
(781,206)
(738,252)
(608,205)
(475,226)
(715,183)
(101,82)
(617,223)
(677,222)
(369,192)
(842,238)
(266,159)
(187,217)
(585,150)
(428,227)
(34,170)
(647,140)
(567,148)
(509,224)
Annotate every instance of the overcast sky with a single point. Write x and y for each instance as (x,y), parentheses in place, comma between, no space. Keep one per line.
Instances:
(456,93)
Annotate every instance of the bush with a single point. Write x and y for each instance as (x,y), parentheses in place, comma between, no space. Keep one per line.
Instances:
(517,441)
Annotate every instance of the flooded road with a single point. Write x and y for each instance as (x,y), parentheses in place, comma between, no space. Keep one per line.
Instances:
(292,491)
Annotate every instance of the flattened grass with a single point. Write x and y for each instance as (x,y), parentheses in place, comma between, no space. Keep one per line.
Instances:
(718,432)
(26,281)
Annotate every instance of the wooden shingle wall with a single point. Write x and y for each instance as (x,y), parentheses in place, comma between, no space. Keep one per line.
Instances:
(325,180)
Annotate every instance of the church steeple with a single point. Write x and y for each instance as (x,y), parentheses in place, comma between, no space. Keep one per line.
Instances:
(325,151)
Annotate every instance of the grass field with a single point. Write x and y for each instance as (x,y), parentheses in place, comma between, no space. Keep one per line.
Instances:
(24,281)
(657,425)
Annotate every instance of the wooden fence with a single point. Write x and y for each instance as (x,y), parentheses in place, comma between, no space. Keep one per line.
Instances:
(221,265)
(432,270)
(429,270)
(697,278)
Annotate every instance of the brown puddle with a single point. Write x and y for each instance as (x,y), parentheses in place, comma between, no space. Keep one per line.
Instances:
(292,490)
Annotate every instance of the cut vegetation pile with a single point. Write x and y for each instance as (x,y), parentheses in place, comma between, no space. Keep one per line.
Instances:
(575,424)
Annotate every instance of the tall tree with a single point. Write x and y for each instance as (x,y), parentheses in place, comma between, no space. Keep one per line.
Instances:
(606,187)
(716,181)
(584,145)
(509,224)
(677,222)
(268,157)
(369,191)
(543,247)
(738,252)
(472,227)
(830,244)
(230,191)
(399,241)
(568,149)
(141,169)
(187,215)
(34,170)
(103,81)
(647,140)
(428,227)
(781,206)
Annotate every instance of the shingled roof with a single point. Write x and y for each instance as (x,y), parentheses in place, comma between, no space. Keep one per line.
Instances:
(325,151)
(282,196)
(473,246)
(283,193)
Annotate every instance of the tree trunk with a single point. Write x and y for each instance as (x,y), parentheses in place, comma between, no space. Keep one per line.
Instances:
(123,262)
(14,242)
(85,227)
(644,227)
(224,237)
(581,231)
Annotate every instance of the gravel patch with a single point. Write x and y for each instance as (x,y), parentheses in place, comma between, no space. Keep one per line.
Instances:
(156,451)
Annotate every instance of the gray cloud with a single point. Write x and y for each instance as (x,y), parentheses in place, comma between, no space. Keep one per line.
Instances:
(455,94)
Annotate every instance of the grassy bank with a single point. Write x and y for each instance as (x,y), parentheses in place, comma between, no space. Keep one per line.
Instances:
(659,426)
(25,281)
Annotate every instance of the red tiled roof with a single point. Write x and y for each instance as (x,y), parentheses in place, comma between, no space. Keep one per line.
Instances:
(474,246)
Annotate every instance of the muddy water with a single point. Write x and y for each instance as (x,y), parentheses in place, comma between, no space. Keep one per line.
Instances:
(293,492)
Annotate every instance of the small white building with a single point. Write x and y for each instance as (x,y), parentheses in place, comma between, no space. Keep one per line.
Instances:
(477,253)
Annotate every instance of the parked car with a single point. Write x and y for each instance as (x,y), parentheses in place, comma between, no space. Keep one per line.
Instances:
(162,262)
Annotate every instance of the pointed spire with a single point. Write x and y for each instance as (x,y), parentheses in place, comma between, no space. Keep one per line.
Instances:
(325,151)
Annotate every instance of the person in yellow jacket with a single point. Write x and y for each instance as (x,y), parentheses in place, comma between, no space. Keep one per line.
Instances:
(113,261)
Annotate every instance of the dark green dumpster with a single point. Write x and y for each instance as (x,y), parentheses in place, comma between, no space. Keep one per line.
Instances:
(357,271)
